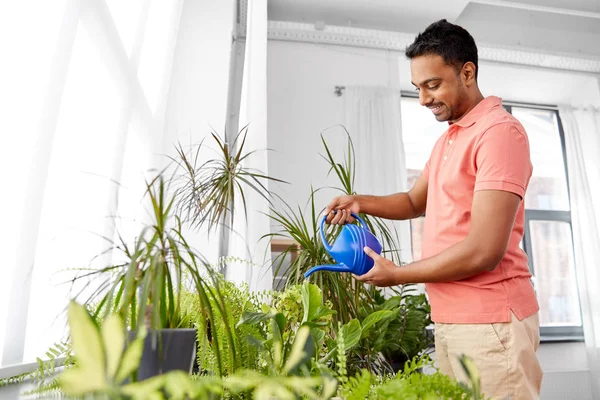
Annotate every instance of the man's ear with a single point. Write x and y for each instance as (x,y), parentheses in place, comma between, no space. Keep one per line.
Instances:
(468,73)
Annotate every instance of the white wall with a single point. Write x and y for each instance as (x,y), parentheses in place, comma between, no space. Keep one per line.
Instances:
(301,103)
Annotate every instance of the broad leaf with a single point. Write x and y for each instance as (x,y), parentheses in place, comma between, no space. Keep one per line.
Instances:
(277,343)
(301,350)
(323,311)
(352,333)
(312,299)
(132,356)
(77,381)
(251,318)
(374,318)
(146,389)
(280,319)
(113,335)
(329,388)
(87,343)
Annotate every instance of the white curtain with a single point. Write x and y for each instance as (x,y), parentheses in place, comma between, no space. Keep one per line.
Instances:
(582,141)
(87,99)
(373,119)
(248,229)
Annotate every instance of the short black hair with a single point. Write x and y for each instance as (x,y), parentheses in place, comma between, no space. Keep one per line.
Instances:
(452,42)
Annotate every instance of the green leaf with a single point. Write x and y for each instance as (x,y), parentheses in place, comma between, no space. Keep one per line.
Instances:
(77,381)
(472,372)
(146,389)
(113,335)
(87,343)
(374,318)
(132,356)
(251,318)
(323,311)
(277,343)
(312,299)
(280,319)
(352,333)
(318,335)
(301,350)
(330,386)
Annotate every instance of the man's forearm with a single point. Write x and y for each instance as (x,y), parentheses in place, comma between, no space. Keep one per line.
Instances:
(395,206)
(460,261)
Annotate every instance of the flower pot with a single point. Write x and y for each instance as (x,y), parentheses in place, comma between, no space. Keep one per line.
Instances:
(167,350)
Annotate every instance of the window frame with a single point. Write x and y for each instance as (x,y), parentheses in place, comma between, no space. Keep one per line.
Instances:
(547,333)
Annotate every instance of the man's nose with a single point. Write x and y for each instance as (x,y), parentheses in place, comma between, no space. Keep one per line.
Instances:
(424,98)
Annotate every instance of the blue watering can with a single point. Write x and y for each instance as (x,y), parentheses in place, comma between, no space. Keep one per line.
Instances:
(348,249)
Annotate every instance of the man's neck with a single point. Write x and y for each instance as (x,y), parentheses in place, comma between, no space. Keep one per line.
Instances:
(474,98)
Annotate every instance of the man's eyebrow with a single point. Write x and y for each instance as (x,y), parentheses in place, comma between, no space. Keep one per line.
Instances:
(426,81)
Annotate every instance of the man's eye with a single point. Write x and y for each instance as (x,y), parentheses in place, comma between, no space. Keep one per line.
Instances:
(433,87)
(417,89)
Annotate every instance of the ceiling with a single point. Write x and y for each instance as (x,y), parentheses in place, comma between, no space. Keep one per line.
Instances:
(556,26)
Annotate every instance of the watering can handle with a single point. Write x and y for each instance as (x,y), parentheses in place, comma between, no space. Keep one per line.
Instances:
(324,240)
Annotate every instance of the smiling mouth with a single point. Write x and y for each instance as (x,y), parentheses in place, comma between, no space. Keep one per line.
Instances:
(436,109)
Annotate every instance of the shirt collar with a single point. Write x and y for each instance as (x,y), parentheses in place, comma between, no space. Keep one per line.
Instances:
(482,108)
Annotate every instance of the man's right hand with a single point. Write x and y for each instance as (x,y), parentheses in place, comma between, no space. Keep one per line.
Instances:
(344,205)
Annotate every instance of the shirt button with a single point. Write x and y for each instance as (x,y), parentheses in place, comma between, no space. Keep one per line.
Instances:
(445,157)
(450,141)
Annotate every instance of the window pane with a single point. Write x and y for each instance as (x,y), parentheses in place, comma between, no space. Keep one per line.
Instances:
(555,273)
(548,186)
(74,214)
(126,16)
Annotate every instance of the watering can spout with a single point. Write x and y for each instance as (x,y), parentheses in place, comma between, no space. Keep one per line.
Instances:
(329,267)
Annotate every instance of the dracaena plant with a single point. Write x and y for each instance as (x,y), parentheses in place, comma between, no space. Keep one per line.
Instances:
(345,293)
(207,189)
(160,266)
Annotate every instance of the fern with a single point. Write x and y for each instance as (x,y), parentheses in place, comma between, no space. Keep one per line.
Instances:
(47,389)
(341,356)
(358,387)
(238,301)
(46,368)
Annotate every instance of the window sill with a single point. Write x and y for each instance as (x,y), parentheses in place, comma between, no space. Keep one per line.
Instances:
(561,339)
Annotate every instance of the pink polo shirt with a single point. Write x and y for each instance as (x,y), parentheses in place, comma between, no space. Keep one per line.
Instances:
(487,149)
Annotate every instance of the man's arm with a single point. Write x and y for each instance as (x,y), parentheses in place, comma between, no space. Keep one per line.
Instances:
(400,206)
(492,217)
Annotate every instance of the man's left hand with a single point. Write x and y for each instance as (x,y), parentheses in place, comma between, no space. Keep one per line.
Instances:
(384,272)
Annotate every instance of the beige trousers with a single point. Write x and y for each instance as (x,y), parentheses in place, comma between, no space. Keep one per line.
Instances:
(503,352)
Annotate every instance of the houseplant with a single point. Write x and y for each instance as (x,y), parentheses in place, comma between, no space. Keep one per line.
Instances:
(147,288)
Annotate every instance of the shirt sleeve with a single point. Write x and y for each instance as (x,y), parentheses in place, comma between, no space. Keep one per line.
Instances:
(503,160)
(425,172)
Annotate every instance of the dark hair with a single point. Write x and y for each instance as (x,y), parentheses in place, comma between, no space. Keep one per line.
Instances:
(452,42)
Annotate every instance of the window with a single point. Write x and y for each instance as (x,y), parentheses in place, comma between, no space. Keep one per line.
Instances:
(548,237)
(88,123)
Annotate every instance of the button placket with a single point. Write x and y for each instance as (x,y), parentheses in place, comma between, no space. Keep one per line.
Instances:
(449,143)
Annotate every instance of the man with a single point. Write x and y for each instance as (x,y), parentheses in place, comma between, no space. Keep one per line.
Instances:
(471,191)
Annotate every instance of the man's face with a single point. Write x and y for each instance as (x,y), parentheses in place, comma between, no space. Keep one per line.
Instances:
(440,87)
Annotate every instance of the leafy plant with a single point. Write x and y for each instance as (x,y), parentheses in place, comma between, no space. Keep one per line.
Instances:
(398,337)
(104,362)
(146,290)
(102,365)
(207,191)
(357,387)
(291,355)
(239,300)
(345,293)
(402,335)
(60,354)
